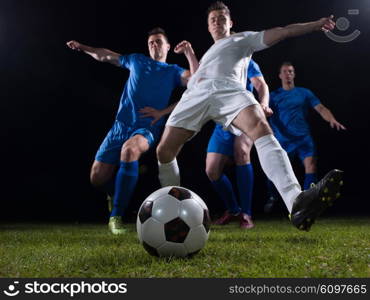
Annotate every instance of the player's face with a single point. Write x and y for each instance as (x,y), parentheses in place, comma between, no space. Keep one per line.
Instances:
(158,47)
(287,74)
(219,24)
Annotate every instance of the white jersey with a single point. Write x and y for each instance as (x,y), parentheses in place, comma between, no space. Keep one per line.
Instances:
(229,57)
(216,91)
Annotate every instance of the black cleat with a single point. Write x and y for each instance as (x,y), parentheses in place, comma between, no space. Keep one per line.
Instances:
(267,208)
(311,203)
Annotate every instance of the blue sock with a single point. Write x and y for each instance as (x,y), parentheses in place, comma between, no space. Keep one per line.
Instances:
(224,189)
(126,180)
(244,180)
(308,179)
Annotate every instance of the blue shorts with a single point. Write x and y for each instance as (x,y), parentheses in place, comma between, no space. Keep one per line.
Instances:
(303,147)
(110,150)
(221,141)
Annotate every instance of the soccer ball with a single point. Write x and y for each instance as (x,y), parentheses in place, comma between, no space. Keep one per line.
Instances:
(173,221)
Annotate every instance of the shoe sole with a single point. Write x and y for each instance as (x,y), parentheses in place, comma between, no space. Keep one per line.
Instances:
(328,193)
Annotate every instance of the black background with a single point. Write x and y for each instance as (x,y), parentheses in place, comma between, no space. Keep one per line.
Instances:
(57,105)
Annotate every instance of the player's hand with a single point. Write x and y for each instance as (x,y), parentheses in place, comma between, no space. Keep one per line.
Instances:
(150,112)
(335,124)
(267,110)
(183,47)
(326,24)
(74,45)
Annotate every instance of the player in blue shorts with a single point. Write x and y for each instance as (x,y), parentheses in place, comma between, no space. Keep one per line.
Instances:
(223,147)
(289,123)
(148,89)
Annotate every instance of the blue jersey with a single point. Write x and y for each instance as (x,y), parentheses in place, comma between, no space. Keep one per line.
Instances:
(150,84)
(252,71)
(289,120)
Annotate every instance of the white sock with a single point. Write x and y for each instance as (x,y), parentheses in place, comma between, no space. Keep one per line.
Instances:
(276,165)
(169,173)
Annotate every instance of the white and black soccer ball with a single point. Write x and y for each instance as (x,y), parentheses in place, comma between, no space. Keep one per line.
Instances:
(173,221)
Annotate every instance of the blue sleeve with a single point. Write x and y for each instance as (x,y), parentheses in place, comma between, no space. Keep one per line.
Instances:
(311,98)
(125,60)
(253,70)
(178,73)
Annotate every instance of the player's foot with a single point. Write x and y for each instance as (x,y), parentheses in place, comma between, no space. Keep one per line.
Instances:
(116,226)
(245,221)
(226,218)
(311,203)
(269,205)
(110,203)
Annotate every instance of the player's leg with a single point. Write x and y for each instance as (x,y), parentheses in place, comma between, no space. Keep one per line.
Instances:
(244,178)
(127,176)
(307,154)
(304,206)
(274,160)
(102,177)
(101,174)
(272,194)
(172,140)
(219,154)
(107,161)
(215,164)
(310,168)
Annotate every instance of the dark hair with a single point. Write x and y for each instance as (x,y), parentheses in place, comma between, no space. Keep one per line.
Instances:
(218,5)
(158,30)
(285,63)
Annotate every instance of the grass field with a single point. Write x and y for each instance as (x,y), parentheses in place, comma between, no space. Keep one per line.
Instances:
(335,247)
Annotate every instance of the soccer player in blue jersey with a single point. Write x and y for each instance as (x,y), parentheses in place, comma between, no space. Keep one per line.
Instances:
(223,147)
(289,123)
(148,89)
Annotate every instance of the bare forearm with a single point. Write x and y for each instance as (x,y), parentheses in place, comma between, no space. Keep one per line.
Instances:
(275,35)
(263,95)
(278,34)
(193,61)
(300,29)
(326,114)
(169,109)
(101,54)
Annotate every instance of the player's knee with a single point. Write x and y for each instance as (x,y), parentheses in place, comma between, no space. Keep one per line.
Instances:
(241,157)
(97,178)
(130,153)
(261,128)
(212,173)
(164,154)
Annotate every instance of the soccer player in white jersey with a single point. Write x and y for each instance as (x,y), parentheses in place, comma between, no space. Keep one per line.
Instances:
(217,92)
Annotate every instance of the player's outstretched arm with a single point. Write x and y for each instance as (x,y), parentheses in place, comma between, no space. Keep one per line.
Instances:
(326,114)
(185,48)
(262,89)
(100,54)
(275,35)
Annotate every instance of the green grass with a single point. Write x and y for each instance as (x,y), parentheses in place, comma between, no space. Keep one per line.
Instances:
(335,247)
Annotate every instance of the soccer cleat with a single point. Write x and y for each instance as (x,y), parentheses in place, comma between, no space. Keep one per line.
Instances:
(245,221)
(110,203)
(226,218)
(116,226)
(311,203)
(269,205)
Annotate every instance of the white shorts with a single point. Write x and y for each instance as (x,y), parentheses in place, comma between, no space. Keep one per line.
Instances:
(217,100)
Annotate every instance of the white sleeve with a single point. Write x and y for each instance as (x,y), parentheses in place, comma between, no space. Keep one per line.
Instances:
(253,40)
